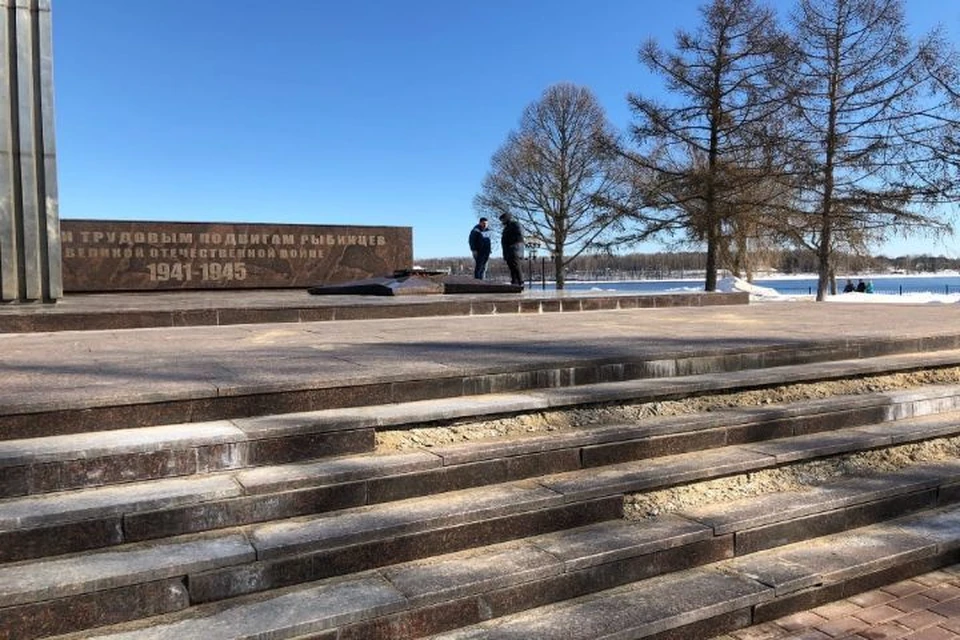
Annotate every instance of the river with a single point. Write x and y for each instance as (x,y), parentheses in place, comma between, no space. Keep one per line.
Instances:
(888,284)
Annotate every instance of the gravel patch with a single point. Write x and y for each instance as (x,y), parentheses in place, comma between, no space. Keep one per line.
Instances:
(566,420)
(798,477)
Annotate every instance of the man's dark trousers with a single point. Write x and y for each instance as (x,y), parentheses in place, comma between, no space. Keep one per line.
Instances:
(480,266)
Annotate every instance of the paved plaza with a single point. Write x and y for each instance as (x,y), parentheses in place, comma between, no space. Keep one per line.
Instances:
(195,361)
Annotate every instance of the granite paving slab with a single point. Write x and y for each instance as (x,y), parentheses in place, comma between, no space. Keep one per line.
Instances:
(639,609)
(655,473)
(63,576)
(321,561)
(784,576)
(581,436)
(86,504)
(612,541)
(495,355)
(504,565)
(748,513)
(283,477)
(285,614)
(326,472)
(304,534)
(847,365)
(818,445)
(105,443)
(666,471)
(931,399)
(473,572)
(941,526)
(660,604)
(633,611)
(918,427)
(840,556)
(85,391)
(404,413)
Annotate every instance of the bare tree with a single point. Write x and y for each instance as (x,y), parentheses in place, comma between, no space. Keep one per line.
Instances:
(869,129)
(553,174)
(749,236)
(698,152)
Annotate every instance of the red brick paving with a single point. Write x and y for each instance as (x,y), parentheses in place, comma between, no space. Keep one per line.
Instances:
(915,602)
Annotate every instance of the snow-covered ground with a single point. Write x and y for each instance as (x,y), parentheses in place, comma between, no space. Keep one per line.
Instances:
(766,294)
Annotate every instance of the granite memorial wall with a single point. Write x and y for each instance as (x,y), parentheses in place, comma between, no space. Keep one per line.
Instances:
(105,255)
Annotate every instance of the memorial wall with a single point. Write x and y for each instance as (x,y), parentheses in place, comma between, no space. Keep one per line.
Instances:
(105,255)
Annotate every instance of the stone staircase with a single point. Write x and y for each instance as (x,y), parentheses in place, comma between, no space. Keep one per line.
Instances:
(269,523)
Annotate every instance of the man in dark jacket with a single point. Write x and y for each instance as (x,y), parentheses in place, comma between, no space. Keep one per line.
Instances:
(511,240)
(480,248)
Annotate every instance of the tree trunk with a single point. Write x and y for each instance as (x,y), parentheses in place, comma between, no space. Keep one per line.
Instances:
(823,259)
(558,274)
(712,241)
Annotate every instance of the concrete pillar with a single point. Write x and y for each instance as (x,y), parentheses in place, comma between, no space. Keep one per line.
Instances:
(30,268)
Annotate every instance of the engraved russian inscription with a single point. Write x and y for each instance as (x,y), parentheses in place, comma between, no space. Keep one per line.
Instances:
(102,255)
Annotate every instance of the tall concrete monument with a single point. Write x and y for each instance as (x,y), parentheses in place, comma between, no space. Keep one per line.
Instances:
(30,264)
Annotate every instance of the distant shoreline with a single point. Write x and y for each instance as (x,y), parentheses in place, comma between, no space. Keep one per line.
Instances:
(776,277)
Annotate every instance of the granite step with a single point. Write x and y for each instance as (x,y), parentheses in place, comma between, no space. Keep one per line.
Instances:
(301,558)
(736,593)
(97,518)
(756,525)
(672,470)
(293,562)
(107,408)
(140,580)
(439,593)
(60,462)
(477,462)
(443,584)
(64,522)
(776,519)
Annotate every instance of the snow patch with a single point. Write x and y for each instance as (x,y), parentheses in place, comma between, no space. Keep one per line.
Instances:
(732,284)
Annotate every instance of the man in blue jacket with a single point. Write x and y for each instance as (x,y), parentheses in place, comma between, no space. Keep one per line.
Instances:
(480,248)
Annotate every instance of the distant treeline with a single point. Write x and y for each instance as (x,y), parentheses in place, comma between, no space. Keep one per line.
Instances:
(666,266)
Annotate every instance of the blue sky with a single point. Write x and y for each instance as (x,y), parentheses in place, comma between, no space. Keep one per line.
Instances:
(369,112)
